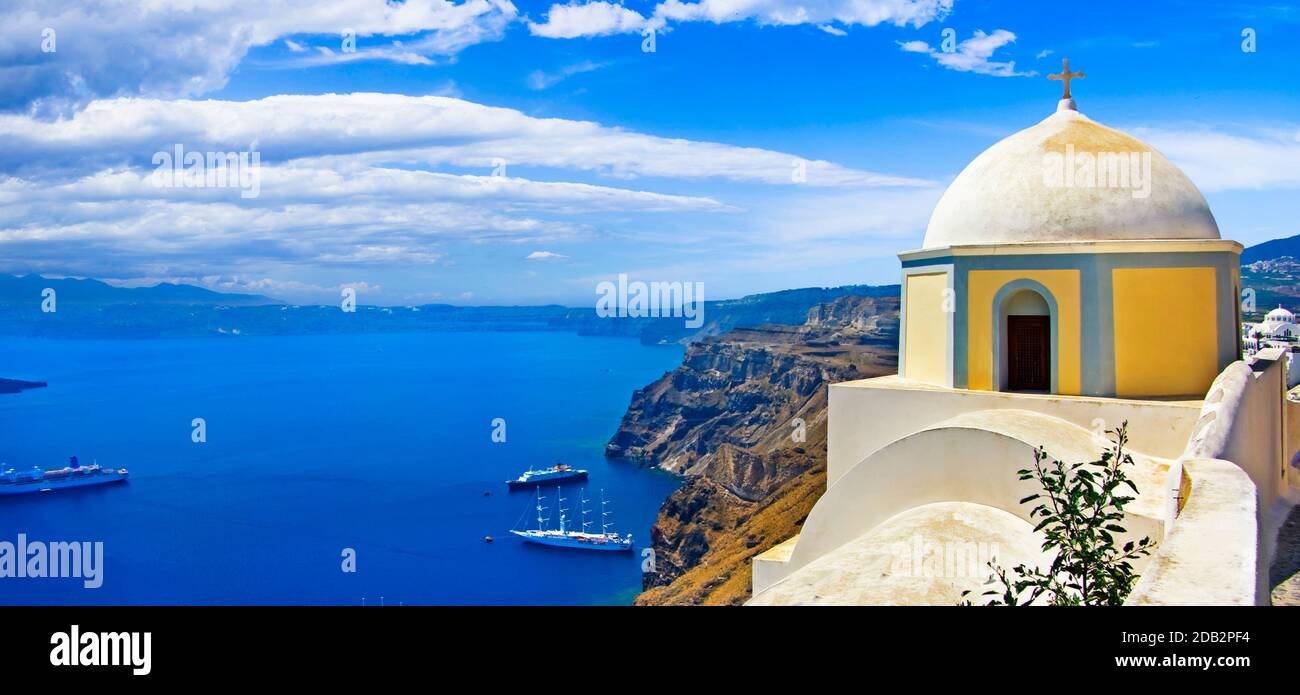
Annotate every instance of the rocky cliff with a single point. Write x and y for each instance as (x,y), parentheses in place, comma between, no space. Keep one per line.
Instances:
(743,419)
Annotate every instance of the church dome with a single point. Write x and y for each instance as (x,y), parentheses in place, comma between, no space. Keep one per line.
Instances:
(1279,315)
(1039,185)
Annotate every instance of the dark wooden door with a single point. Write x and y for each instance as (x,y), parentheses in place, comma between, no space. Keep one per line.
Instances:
(1029,353)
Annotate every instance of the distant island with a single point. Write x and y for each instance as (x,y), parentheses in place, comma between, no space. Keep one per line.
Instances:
(16,385)
(18,289)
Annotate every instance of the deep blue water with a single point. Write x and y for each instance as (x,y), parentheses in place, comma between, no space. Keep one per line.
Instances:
(381,443)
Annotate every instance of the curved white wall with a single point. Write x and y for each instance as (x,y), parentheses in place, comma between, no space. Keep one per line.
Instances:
(868,414)
(969,458)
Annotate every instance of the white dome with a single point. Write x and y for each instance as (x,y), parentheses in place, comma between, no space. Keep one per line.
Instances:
(1015,191)
(1279,315)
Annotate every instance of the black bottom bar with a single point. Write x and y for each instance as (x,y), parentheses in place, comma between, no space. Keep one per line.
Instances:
(238,644)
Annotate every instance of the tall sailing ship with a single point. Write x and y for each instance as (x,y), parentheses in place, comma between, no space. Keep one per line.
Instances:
(564,537)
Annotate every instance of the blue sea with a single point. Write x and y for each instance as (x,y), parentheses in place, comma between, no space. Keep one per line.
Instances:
(381,443)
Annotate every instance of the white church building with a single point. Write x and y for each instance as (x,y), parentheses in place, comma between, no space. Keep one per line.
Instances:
(1277,330)
(1038,312)
(1278,325)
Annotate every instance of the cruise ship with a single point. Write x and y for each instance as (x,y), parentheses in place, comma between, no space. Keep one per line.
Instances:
(563,537)
(559,473)
(73,475)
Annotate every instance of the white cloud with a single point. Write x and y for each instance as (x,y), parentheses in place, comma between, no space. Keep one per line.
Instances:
(973,54)
(863,216)
(327,56)
(296,184)
(539,79)
(123,47)
(832,30)
(786,12)
(345,181)
(160,237)
(587,19)
(1219,161)
(352,130)
(109,48)
(600,18)
(544,256)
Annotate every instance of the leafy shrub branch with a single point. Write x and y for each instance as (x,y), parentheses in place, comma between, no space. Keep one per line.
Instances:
(1080,513)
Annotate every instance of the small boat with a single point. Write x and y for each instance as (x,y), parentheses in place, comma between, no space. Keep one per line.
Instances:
(566,538)
(73,475)
(558,473)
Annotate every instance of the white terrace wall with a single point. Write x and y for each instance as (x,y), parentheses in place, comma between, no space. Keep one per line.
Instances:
(868,414)
(1210,555)
(1242,420)
(1291,406)
(1247,420)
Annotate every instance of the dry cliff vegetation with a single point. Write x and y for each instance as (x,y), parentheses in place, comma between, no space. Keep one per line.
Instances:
(727,420)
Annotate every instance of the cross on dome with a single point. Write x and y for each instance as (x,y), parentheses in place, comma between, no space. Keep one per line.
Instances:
(1065,76)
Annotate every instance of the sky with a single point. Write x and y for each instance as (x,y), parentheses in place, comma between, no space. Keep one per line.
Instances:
(489,152)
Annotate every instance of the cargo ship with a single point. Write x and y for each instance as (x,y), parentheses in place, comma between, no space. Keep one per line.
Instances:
(73,475)
(564,537)
(559,473)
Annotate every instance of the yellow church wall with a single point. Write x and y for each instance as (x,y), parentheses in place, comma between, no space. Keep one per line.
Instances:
(1166,334)
(926,338)
(982,287)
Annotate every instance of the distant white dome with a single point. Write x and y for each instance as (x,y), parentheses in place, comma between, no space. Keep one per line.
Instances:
(1011,194)
(1279,315)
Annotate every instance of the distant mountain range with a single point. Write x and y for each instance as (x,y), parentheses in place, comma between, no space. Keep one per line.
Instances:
(1271,250)
(782,307)
(1270,276)
(93,309)
(16,289)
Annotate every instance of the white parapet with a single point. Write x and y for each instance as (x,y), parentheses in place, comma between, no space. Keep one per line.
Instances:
(1211,555)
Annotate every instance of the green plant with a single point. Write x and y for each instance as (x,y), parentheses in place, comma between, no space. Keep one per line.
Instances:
(1079,512)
